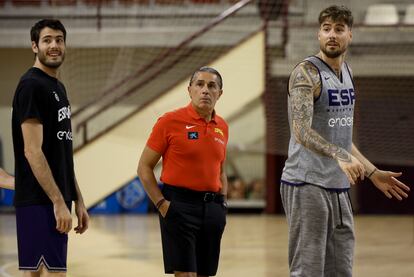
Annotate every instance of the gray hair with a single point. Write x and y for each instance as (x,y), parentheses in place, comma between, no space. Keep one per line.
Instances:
(209,70)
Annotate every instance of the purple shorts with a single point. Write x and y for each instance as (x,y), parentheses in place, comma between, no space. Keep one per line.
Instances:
(38,241)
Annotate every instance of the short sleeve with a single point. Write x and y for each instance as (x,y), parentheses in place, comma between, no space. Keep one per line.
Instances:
(29,101)
(158,140)
(226,128)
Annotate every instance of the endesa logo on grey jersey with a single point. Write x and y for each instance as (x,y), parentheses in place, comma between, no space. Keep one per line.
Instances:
(341,121)
(345,99)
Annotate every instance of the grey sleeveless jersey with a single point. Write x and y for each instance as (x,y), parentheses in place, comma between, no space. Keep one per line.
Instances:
(333,119)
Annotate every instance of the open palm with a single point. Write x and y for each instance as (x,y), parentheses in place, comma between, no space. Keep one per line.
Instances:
(387,182)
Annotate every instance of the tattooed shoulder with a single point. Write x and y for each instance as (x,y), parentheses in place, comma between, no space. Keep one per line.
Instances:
(305,75)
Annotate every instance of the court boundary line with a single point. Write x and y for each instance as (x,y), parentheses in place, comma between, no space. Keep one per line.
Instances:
(3,268)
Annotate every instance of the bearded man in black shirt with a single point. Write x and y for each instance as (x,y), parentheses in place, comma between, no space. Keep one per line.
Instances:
(45,181)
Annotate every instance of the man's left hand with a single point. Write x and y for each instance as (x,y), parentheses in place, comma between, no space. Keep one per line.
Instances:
(83,217)
(387,182)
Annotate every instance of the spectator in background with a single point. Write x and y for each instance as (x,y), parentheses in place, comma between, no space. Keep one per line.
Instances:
(237,189)
(256,190)
(6,180)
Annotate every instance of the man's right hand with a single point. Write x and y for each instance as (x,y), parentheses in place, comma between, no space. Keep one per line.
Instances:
(163,209)
(63,217)
(352,168)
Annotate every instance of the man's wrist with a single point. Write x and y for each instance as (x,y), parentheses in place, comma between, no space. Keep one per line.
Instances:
(79,202)
(58,200)
(372,172)
(159,203)
(220,198)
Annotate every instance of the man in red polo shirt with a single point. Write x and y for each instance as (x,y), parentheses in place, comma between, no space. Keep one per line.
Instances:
(192,143)
(6,180)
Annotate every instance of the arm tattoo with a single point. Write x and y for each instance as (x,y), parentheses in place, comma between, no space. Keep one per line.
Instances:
(304,85)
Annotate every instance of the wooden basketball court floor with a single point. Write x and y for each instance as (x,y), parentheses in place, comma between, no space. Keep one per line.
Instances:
(253,245)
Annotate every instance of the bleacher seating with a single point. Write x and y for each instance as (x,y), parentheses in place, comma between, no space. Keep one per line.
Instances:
(205,1)
(96,2)
(133,2)
(62,2)
(31,3)
(382,14)
(169,2)
(409,15)
(26,2)
(375,14)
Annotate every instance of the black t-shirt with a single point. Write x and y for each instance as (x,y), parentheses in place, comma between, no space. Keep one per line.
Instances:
(43,97)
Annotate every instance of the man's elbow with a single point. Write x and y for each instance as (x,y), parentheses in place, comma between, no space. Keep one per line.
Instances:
(139,170)
(300,132)
(142,169)
(31,153)
(299,137)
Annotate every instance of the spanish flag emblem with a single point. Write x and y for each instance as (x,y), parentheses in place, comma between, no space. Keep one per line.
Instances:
(218,130)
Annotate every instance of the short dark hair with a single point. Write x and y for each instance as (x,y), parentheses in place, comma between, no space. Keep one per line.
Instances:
(40,25)
(337,14)
(209,70)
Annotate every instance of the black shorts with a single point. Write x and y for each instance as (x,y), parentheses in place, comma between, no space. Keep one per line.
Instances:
(38,241)
(191,231)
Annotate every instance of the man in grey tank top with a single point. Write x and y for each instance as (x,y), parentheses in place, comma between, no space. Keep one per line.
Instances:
(322,160)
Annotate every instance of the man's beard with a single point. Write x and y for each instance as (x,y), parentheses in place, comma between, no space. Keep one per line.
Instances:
(52,64)
(332,54)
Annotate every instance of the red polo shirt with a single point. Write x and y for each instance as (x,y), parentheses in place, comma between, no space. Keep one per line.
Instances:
(192,149)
